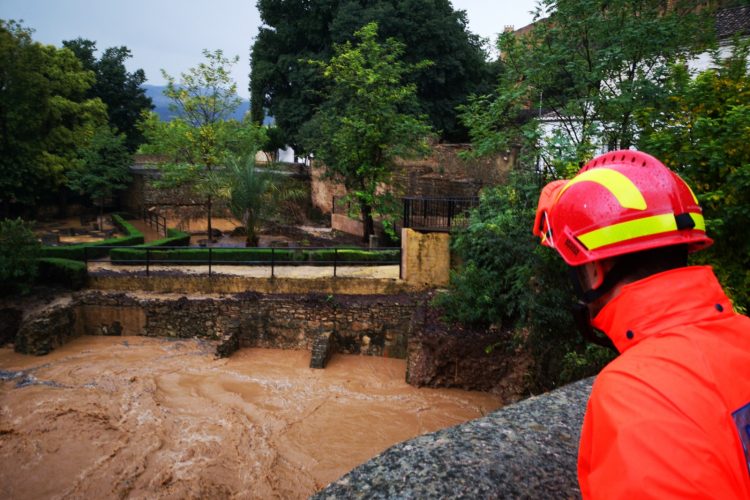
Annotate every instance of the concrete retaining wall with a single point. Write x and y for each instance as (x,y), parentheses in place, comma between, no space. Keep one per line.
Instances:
(425,258)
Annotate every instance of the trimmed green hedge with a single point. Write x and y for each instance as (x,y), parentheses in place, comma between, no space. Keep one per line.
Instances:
(354,255)
(250,256)
(69,273)
(82,251)
(174,238)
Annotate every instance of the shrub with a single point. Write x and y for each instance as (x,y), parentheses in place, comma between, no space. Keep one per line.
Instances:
(249,256)
(201,255)
(69,273)
(351,255)
(175,238)
(511,282)
(85,251)
(18,251)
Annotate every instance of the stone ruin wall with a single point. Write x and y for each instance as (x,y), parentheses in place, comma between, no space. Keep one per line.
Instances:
(369,325)
(441,175)
(376,325)
(174,203)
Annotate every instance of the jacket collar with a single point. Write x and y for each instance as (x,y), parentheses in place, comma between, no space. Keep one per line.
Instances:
(652,305)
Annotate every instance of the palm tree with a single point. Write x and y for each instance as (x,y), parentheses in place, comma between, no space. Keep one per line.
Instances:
(249,193)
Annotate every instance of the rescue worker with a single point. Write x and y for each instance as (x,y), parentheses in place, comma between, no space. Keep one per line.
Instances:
(670,416)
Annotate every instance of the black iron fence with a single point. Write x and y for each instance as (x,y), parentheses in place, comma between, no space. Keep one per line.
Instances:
(165,258)
(437,214)
(156,221)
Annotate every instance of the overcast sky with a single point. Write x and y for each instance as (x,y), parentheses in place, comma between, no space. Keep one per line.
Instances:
(170,34)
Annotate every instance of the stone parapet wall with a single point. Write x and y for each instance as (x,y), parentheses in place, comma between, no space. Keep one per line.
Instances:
(525,450)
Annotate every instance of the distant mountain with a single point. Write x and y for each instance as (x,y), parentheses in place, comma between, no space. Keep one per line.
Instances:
(161,104)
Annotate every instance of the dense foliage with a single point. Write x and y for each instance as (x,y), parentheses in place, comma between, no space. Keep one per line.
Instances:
(702,132)
(121,91)
(295,31)
(367,120)
(587,68)
(19,249)
(46,116)
(599,75)
(202,138)
(71,274)
(510,282)
(104,169)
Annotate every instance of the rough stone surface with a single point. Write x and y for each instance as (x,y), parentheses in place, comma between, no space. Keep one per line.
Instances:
(322,349)
(525,450)
(374,325)
(442,355)
(10,321)
(49,327)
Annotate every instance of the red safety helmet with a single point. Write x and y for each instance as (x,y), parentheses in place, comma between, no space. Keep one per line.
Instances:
(620,202)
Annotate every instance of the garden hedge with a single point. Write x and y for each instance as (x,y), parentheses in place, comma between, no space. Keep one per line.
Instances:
(251,256)
(174,238)
(83,251)
(69,273)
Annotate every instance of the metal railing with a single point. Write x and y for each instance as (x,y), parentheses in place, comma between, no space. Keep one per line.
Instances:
(437,214)
(155,220)
(176,256)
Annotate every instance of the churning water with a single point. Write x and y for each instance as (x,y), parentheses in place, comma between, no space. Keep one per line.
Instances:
(136,417)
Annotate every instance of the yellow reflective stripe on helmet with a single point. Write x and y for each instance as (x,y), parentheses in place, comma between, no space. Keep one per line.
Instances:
(621,187)
(638,228)
(700,222)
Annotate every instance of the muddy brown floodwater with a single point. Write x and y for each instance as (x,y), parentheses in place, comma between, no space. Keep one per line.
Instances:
(135,417)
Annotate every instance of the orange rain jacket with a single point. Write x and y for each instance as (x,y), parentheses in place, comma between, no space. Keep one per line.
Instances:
(670,417)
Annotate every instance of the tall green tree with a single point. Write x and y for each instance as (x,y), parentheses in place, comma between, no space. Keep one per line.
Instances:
(121,90)
(295,31)
(202,138)
(702,132)
(589,67)
(368,119)
(105,167)
(19,249)
(45,116)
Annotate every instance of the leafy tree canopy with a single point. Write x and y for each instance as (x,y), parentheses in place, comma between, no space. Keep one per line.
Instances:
(19,249)
(119,89)
(702,132)
(105,167)
(588,67)
(296,31)
(201,138)
(368,119)
(45,115)
(510,282)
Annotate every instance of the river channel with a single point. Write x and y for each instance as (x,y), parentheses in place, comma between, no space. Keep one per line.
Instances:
(134,417)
